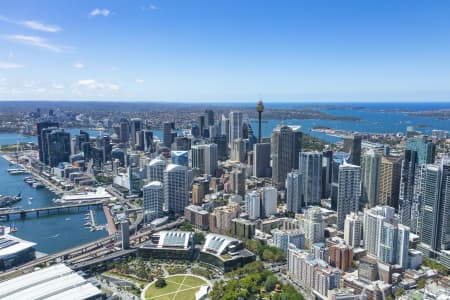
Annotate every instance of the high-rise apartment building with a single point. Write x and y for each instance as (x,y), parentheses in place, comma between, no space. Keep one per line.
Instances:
(204,158)
(389,181)
(236,121)
(310,165)
(370,177)
(314,227)
(238,150)
(349,192)
(285,146)
(176,188)
(40,138)
(155,170)
(261,160)
(353,226)
(352,145)
(253,204)
(153,200)
(293,194)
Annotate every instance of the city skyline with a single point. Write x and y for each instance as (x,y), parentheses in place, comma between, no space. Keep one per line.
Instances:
(173,51)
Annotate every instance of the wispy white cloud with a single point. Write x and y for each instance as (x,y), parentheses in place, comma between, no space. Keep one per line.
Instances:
(78,65)
(100,12)
(139,81)
(41,26)
(150,7)
(4,65)
(33,24)
(93,84)
(35,41)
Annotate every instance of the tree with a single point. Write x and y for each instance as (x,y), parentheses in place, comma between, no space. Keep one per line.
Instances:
(399,292)
(421,283)
(269,284)
(160,283)
(198,237)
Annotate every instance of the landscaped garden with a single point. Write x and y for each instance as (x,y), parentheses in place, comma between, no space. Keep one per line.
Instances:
(176,287)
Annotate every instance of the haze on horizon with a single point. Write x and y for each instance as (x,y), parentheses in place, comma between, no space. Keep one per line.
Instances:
(225,51)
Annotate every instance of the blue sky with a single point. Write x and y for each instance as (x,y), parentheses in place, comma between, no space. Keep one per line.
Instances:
(213,50)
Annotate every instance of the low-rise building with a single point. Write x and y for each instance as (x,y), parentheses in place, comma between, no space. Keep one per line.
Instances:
(51,283)
(225,252)
(242,228)
(169,245)
(198,217)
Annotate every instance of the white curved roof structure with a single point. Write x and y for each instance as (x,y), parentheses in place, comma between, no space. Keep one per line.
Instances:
(174,239)
(217,243)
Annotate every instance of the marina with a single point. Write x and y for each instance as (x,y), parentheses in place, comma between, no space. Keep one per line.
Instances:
(51,232)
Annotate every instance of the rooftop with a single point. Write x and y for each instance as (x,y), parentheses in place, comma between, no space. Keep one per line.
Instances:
(10,245)
(55,282)
(217,243)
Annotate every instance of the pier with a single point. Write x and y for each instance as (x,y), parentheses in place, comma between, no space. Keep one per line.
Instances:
(23,213)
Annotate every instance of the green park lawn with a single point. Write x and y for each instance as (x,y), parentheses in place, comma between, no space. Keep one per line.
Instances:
(179,287)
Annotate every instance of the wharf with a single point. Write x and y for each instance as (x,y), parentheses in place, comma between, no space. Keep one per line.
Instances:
(112,230)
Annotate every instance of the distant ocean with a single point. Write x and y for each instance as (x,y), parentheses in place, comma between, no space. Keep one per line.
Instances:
(375,118)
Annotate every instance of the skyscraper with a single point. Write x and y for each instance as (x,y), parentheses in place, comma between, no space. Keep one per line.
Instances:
(237,181)
(370,178)
(180,158)
(155,170)
(349,192)
(58,146)
(327,168)
(285,146)
(338,160)
(39,127)
(310,165)
(209,117)
(253,205)
(153,200)
(176,188)
(222,146)
(204,158)
(124,131)
(353,230)
(269,201)
(135,127)
(236,126)
(418,151)
(238,150)
(225,128)
(435,227)
(389,181)
(373,220)
(261,160)
(352,145)
(393,244)
(293,188)
(167,133)
(314,227)
(425,148)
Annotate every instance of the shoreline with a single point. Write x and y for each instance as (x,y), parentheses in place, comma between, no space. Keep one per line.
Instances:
(48,185)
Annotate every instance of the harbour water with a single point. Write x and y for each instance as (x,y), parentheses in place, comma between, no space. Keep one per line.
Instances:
(52,233)
(371,121)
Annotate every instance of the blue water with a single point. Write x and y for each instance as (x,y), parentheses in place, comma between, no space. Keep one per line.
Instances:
(371,122)
(52,233)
